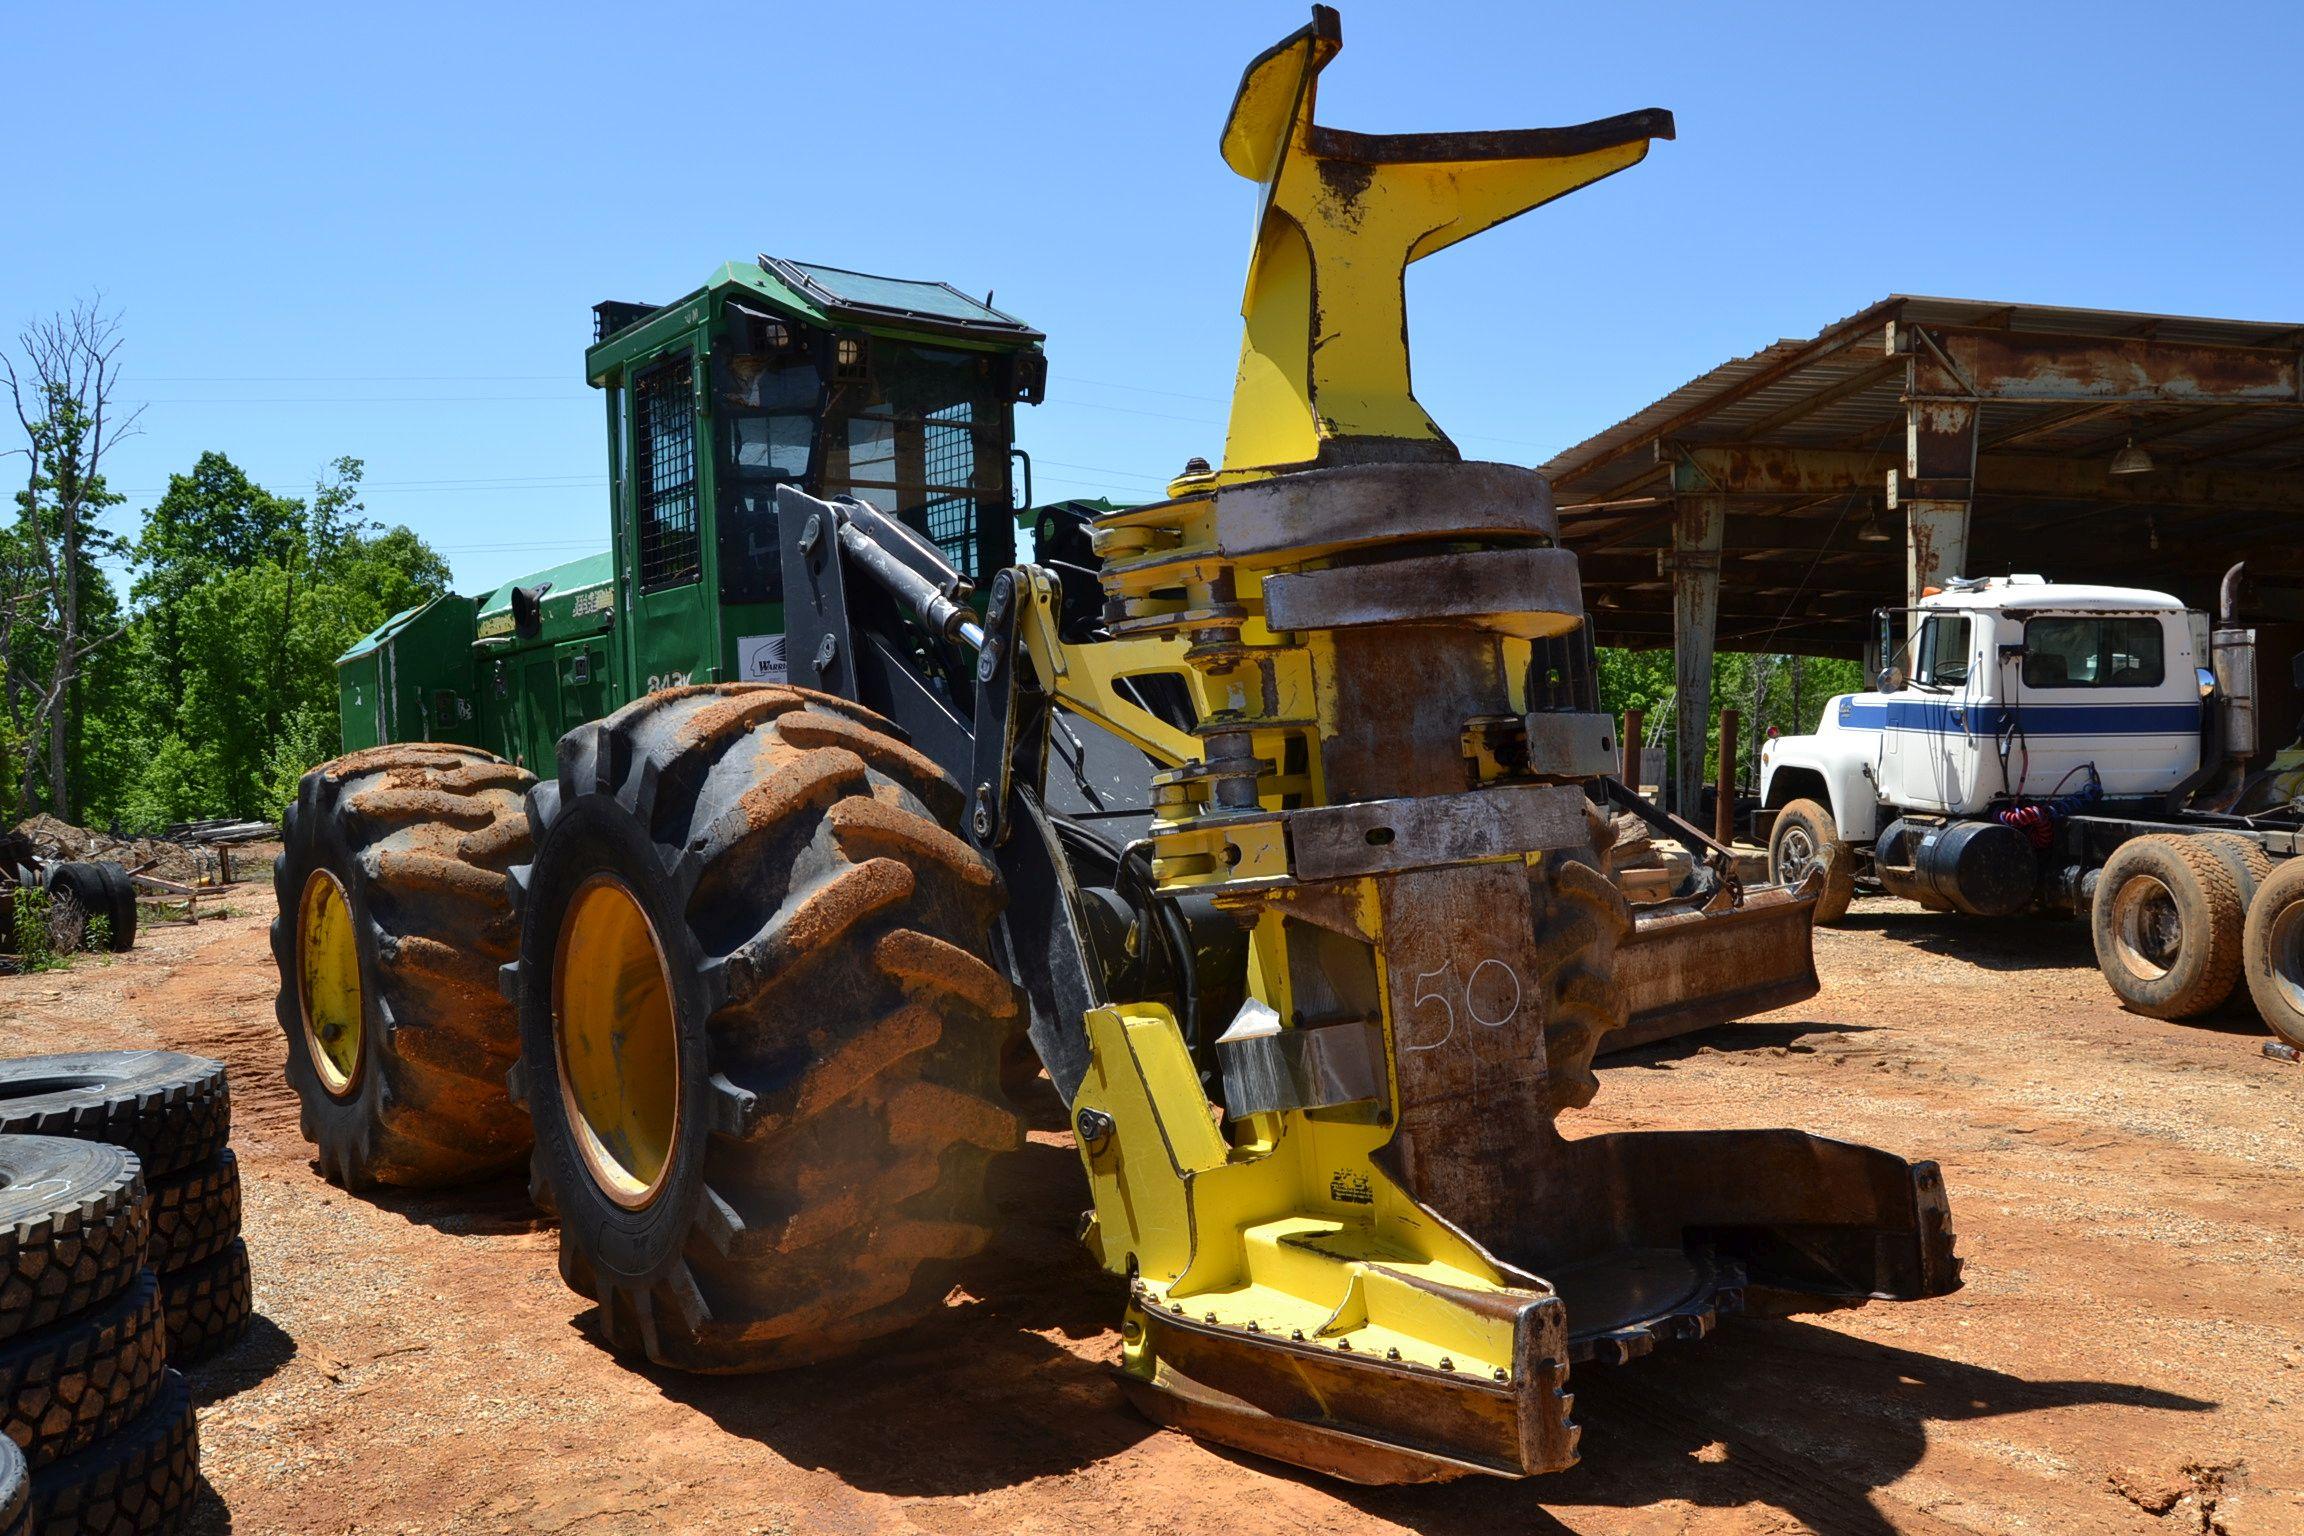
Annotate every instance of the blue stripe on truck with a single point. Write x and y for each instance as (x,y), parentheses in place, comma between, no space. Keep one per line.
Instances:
(1937,716)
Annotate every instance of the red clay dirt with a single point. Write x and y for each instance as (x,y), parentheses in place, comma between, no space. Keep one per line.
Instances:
(2128,1355)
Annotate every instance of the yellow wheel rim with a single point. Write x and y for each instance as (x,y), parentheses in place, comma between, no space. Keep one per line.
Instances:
(619,1049)
(328,969)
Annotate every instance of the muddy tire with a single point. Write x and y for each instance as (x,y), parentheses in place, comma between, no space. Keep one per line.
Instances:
(141,1479)
(2249,864)
(1806,837)
(195,1213)
(64,1387)
(208,1305)
(793,1162)
(395,914)
(15,1491)
(2167,926)
(2272,951)
(72,1228)
(1580,919)
(170,1109)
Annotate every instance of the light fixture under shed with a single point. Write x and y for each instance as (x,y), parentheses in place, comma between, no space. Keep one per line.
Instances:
(2130,460)
(1874,531)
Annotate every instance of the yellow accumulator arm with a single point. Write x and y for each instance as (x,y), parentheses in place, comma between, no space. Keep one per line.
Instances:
(1324,354)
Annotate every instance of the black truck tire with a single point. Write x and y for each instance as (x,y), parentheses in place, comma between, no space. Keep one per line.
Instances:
(1580,919)
(72,1228)
(2167,926)
(120,888)
(2272,950)
(84,885)
(15,1491)
(208,1305)
(170,1109)
(195,1213)
(138,1480)
(790,1159)
(66,1386)
(395,914)
(1806,837)
(2250,865)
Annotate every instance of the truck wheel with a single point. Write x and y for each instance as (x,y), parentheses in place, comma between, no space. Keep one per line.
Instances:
(394,916)
(2250,865)
(761,1030)
(2272,947)
(1806,837)
(2166,921)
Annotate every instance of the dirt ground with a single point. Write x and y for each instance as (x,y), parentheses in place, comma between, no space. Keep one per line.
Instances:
(2127,1356)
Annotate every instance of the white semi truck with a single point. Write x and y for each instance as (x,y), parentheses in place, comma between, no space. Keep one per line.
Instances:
(2066,749)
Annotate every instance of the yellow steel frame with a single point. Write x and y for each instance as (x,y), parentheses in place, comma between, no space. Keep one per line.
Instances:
(1282,1226)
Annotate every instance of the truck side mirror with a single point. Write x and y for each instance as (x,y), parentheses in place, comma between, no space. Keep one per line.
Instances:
(1892,680)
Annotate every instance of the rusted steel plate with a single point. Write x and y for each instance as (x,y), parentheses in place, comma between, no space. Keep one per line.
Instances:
(1689,970)
(1461,587)
(1465,986)
(2017,365)
(1364,1419)
(1383,503)
(1369,837)
(1402,697)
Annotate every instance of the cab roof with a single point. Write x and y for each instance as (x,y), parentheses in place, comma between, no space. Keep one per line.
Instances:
(833,298)
(2028,594)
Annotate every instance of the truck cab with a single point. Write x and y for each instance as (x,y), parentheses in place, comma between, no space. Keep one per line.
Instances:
(2016,688)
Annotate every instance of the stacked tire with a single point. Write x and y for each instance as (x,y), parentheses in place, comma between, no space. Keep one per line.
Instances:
(120,1261)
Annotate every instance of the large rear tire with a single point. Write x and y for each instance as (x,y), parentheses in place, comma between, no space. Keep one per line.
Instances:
(2272,950)
(2166,922)
(761,1030)
(395,914)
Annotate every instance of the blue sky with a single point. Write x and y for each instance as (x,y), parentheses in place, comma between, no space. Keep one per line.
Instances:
(379,230)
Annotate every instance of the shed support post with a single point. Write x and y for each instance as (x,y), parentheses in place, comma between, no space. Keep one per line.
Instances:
(1939,478)
(1698,522)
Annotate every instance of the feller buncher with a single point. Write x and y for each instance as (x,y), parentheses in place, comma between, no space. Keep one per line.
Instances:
(739,974)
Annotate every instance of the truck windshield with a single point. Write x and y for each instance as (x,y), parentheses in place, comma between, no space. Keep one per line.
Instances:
(923,434)
(2093,653)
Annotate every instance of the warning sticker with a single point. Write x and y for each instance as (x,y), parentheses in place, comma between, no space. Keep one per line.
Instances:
(1350,1188)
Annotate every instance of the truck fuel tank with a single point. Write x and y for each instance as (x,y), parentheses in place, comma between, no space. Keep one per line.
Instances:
(1982,868)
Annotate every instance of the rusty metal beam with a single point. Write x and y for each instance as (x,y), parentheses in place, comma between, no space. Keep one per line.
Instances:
(1776,470)
(2021,365)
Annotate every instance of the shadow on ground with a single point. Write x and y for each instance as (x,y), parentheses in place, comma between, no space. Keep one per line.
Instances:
(1713,1424)
(985,1394)
(261,1352)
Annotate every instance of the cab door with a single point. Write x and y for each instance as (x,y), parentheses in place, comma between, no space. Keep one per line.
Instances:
(1939,720)
(672,622)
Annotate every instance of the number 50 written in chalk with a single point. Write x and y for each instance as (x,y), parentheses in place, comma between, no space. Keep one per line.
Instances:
(1442,987)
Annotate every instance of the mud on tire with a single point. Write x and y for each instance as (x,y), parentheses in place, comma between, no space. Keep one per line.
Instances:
(840,1027)
(2167,926)
(2272,951)
(72,1228)
(418,837)
(1805,836)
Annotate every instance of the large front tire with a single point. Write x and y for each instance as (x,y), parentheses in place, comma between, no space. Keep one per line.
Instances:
(761,1031)
(1805,837)
(395,914)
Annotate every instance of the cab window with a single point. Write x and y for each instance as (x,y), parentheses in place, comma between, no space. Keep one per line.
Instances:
(766,395)
(2093,653)
(1943,651)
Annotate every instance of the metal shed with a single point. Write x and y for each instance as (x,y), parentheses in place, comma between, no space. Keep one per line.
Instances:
(1773,503)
